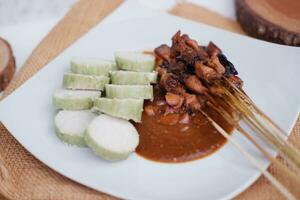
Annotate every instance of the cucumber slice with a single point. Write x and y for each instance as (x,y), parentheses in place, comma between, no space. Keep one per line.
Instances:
(74,99)
(111,138)
(122,108)
(92,66)
(88,82)
(70,126)
(133,78)
(135,61)
(129,91)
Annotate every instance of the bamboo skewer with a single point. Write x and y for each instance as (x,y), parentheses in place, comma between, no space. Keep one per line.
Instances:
(278,131)
(274,138)
(242,95)
(234,122)
(251,159)
(278,141)
(280,165)
(291,164)
(275,128)
(238,102)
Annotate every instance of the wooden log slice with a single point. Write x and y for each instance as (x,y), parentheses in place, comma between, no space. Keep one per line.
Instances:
(7,64)
(272,20)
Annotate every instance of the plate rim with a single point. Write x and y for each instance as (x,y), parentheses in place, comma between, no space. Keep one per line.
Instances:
(232,194)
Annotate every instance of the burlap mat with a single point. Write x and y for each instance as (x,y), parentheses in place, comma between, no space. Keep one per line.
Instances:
(24,177)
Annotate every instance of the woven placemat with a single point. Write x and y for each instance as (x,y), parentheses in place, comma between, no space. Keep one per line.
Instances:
(24,177)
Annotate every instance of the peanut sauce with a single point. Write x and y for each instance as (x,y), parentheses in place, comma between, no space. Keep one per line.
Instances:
(177,137)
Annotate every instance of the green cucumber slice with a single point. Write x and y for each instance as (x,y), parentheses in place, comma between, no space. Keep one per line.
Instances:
(122,108)
(135,61)
(133,78)
(70,126)
(111,138)
(74,99)
(92,66)
(88,82)
(129,91)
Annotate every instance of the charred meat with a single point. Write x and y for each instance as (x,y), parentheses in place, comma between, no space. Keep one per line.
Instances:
(163,52)
(193,83)
(189,71)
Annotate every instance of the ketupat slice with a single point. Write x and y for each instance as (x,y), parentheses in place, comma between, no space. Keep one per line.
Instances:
(111,138)
(92,66)
(74,99)
(129,91)
(85,82)
(122,108)
(135,61)
(70,126)
(133,78)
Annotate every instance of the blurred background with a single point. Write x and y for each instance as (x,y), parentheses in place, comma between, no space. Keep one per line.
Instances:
(35,18)
(21,11)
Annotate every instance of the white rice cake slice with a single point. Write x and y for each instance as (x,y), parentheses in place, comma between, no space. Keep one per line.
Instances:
(92,66)
(74,99)
(122,108)
(84,82)
(70,125)
(133,78)
(135,61)
(111,138)
(129,91)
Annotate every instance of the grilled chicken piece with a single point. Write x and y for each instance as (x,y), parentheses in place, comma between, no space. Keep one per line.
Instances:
(188,73)
(178,68)
(205,72)
(186,49)
(169,110)
(235,80)
(170,83)
(174,100)
(216,90)
(192,102)
(202,99)
(161,71)
(192,43)
(201,53)
(193,83)
(163,51)
(212,49)
(177,45)
(216,65)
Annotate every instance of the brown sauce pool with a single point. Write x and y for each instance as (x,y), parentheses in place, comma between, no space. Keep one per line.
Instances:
(171,139)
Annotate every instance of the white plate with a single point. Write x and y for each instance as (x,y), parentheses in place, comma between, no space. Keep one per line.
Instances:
(270,73)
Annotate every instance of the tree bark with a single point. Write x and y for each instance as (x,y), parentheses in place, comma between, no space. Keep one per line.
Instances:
(7,64)
(276,22)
